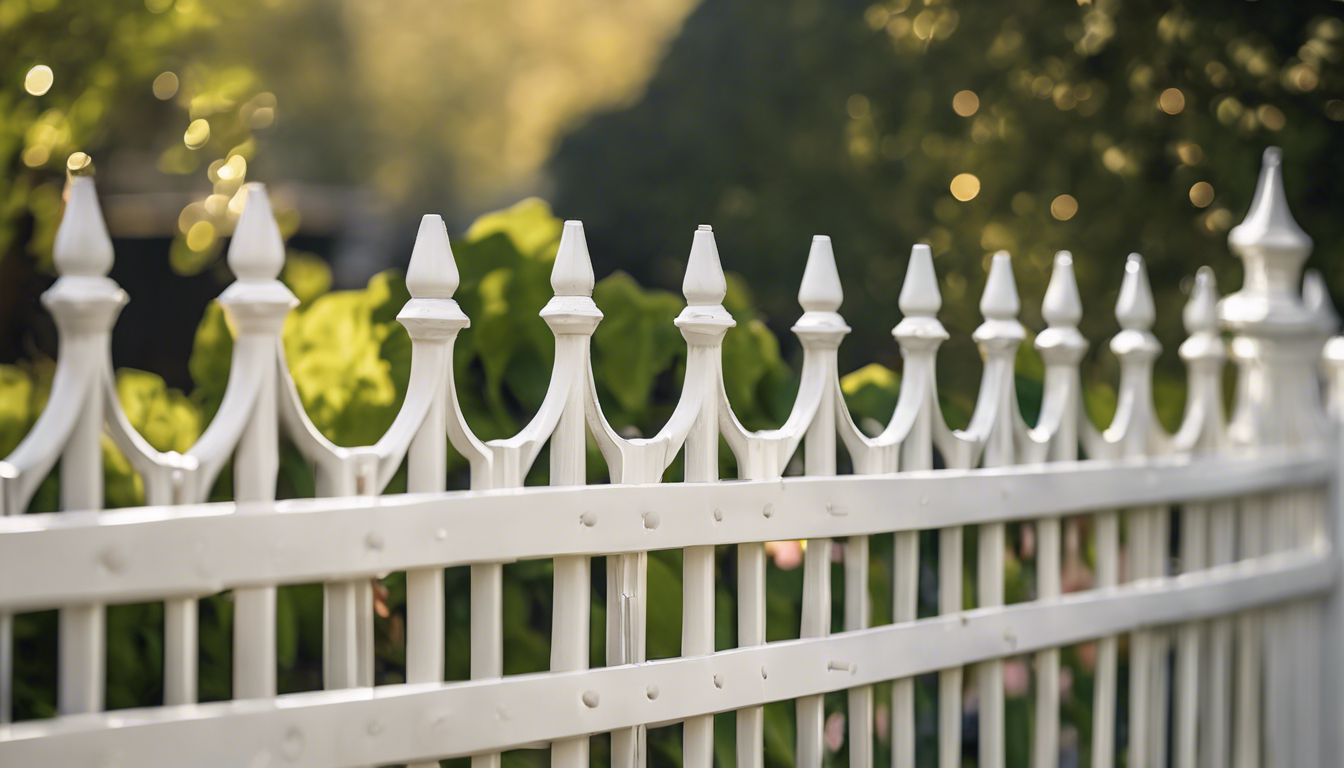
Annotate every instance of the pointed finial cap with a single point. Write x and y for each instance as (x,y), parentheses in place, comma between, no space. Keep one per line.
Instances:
(704,284)
(572,274)
(432,273)
(257,252)
(919,293)
(820,291)
(1134,309)
(82,248)
(1062,307)
(1201,311)
(1269,226)
(1000,300)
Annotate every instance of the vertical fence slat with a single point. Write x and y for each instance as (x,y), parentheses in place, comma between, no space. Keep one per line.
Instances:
(255,466)
(761,464)
(919,334)
(1246,734)
(703,323)
(257,303)
(697,629)
(427,465)
(1061,347)
(998,338)
(1133,430)
(1206,536)
(1219,667)
(82,628)
(1186,744)
(821,330)
(819,460)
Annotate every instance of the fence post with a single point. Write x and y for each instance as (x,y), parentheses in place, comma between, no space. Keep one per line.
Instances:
(1276,342)
(703,323)
(84,304)
(256,304)
(573,317)
(1331,722)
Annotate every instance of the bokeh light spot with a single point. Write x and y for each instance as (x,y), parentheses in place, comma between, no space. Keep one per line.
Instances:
(263,117)
(234,168)
(1190,153)
(965,103)
(1334,109)
(1201,194)
(858,106)
(1172,101)
(201,236)
(38,80)
(165,86)
(1303,78)
(1114,159)
(1271,117)
(198,133)
(1064,207)
(965,186)
(36,156)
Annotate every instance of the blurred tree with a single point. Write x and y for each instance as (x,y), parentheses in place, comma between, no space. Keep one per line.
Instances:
(80,76)
(462,100)
(1031,126)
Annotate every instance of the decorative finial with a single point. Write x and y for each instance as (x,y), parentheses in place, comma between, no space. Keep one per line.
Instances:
(1000,300)
(820,291)
(1134,309)
(572,274)
(704,284)
(1316,297)
(1062,307)
(1201,311)
(432,273)
(79,164)
(1269,230)
(257,252)
(82,248)
(1273,248)
(919,293)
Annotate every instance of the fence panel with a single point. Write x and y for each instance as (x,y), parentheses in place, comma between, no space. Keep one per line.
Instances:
(1224,635)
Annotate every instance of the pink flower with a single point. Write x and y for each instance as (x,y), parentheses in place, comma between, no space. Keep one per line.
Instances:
(786,554)
(1016,679)
(882,721)
(835,731)
(1087,654)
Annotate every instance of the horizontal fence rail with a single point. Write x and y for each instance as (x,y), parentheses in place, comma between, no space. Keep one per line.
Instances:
(398,723)
(1213,590)
(158,552)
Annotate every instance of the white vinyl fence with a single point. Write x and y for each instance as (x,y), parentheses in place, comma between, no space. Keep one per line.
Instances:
(1229,639)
